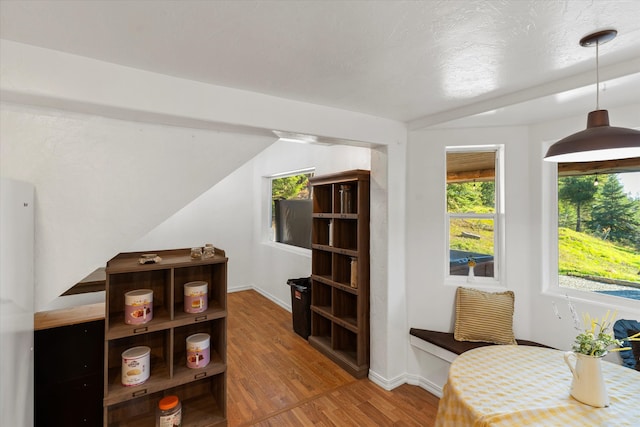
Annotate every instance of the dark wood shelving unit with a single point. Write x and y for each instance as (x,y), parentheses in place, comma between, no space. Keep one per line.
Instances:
(340,252)
(202,391)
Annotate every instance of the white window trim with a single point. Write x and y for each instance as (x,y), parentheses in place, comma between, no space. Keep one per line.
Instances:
(498,217)
(267,232)
(549,248)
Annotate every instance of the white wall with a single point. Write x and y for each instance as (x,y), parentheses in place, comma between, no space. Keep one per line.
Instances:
(543,238)
(529,231)
(430,299)
(233,213)
(101,183)
(272,264)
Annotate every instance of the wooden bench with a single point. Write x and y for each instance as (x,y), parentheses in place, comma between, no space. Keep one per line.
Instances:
(445,346)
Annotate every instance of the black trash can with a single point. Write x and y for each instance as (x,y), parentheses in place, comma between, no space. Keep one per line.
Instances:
(301,305)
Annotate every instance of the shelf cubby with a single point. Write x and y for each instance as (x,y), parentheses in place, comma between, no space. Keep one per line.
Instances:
(345,234)
(320,231)
(322,202)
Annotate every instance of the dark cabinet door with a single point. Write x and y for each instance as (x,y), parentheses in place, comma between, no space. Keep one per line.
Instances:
(69,375)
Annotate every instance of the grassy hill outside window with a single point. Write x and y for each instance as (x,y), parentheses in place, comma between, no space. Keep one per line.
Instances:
(599,227)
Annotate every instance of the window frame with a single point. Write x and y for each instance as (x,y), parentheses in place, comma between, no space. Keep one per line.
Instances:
(550,250)
(498,218)
(268,233)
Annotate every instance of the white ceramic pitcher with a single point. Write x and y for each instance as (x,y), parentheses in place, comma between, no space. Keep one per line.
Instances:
(588,384)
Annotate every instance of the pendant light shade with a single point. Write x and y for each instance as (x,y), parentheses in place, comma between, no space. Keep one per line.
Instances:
(598,141)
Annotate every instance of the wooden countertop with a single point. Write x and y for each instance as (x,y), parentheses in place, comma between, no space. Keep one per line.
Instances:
(69,316)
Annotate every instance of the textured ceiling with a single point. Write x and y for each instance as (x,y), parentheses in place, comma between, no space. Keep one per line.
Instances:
(404,60)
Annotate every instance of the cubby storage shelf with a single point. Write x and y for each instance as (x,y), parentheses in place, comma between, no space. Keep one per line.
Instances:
(202,391)
(340,269)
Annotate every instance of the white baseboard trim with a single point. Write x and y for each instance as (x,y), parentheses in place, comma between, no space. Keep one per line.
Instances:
(286,306)
(240,288)
(411,379)
(424,383)
(385,383)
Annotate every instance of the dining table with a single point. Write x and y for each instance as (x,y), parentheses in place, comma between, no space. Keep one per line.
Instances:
(517,385)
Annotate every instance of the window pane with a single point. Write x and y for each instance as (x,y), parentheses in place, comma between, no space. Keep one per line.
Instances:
(471,239)
(291,210)
(599,233)
(477,197)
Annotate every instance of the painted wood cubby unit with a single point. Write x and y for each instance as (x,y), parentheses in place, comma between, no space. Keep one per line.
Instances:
(340,269)
(201,391)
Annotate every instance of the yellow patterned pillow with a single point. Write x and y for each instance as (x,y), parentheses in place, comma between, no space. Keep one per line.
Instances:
(484,316)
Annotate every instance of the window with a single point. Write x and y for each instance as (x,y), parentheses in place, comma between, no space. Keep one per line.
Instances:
(599,229)
(291,209)
(473,211)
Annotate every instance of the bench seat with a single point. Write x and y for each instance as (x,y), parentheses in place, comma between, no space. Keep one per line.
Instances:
(448,342)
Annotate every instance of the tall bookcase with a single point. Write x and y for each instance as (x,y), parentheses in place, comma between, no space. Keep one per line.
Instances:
(340,269)
(202,391)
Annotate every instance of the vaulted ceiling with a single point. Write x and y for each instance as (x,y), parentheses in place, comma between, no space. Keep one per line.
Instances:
(420,62)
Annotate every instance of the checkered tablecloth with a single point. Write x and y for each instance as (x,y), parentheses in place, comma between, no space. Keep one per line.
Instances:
(509,385)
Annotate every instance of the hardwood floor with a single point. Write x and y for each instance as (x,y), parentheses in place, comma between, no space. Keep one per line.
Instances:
(275,378)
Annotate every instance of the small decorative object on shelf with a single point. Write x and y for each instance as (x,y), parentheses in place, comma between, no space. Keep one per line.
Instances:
(209,251)
(471,263)
(196,253)
(149,259)
(330,232)
(354,272)
(345,198)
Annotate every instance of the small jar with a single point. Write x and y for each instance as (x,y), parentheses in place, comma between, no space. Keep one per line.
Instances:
(209,251)
(196,253)
(169,412)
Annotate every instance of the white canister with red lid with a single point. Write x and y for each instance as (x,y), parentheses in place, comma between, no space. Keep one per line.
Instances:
(195,297)
(198,352)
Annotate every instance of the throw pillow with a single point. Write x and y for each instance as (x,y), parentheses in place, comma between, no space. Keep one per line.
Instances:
(484,316)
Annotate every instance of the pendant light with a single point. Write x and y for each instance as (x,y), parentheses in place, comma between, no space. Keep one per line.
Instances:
(598,141)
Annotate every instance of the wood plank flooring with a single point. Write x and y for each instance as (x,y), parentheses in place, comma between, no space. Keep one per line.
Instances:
(275,378)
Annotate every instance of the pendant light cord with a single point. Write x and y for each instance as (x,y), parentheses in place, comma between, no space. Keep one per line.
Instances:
(597,77)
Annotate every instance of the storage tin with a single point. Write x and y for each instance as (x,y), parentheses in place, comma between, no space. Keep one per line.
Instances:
(136,365)
(169,412)
(198,352)
(195,297)
(138,306)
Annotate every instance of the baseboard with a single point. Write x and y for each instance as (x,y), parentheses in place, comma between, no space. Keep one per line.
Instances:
(424,383)
(286,306)
(385,383)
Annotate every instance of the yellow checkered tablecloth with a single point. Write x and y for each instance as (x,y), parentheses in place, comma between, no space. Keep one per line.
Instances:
(510,385)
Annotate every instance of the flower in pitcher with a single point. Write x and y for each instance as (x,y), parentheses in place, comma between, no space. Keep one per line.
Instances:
(471,262)
(597,337)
